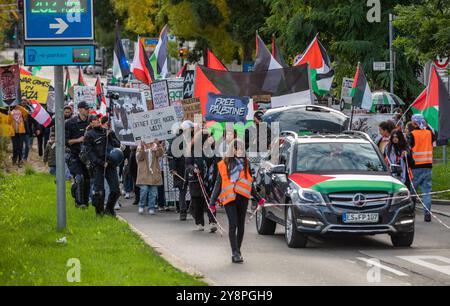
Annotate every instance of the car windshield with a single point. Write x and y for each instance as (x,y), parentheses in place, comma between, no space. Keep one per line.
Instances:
(303,121)
(338,157)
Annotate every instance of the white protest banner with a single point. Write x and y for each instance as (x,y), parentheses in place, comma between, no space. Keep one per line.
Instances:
(176,89)
(131,101)
(155,124)
(160,94)
(87,94)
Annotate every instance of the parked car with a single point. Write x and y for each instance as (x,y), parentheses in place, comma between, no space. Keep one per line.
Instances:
(332,184)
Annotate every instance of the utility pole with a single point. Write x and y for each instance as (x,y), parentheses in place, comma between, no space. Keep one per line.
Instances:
(391,52)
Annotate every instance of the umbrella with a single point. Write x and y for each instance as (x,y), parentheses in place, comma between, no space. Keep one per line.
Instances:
(386,98)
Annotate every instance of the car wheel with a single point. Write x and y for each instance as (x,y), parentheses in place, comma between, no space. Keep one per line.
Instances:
(264,226)
(403,240)
(294,238)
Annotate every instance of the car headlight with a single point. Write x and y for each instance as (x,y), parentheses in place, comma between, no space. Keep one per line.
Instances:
(309,196)
(401,196)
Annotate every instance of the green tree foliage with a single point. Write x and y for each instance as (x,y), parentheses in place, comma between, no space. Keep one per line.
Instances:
(424,29)
(346,34)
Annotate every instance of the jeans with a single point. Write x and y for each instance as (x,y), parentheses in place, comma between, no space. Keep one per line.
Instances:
(17,143)
(26,146)
(423,178)
(52,170)
(236,213)
(148,194)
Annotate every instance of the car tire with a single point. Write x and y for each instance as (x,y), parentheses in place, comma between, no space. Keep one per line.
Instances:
(403,240)
(264,225)
(294,238)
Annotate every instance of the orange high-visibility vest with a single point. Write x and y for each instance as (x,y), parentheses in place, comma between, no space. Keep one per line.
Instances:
(423,147)
(243,185)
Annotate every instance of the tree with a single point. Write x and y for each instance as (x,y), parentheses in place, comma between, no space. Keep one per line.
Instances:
(348,36)
(7,20)
(424,29)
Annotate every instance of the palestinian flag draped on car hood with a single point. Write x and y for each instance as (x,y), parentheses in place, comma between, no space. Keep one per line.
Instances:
(346,183)
(286,86)
(322,74)
(433,104)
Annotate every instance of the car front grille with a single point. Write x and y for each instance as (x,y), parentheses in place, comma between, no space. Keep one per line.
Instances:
(345,200)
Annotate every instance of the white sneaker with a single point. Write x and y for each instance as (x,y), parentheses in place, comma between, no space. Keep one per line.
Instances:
(127,195)
(200,228)
(151,212)
(141,210)
(117,206)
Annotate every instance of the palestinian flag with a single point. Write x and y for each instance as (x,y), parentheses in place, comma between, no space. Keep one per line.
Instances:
(101,99)
(40,114)
(67,84)
(287,86)
(81,81)
(141,67)
(158,60)
(346,183)
(181,71)
(434,105)
(214,63)
(24,72)
(276,53)
(361,94)
(322,74)
(264,60)
(121,69)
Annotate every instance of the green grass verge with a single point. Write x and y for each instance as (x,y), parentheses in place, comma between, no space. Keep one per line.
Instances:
(441,180)
(109,252)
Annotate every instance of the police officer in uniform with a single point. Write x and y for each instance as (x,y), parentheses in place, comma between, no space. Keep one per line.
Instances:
(100,143)
(75,128)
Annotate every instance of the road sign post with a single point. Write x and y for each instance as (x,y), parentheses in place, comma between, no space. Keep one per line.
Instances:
(59,33)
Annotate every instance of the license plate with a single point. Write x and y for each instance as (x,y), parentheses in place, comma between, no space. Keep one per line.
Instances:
(360,218)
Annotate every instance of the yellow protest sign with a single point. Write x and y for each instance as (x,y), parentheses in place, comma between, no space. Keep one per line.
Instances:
(34,88)
(5,127)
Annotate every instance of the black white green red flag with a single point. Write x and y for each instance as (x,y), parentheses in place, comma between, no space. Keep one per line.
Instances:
(361,94)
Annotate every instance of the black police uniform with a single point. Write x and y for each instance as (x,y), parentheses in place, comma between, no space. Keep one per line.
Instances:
(96,141)
(74,129)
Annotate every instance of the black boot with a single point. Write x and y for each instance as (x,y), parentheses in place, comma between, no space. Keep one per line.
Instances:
(236,257)
(183,216)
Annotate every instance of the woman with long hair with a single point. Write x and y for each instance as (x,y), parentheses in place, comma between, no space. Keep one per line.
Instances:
(397,152)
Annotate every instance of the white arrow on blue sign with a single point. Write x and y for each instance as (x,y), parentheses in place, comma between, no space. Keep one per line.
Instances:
(54,20)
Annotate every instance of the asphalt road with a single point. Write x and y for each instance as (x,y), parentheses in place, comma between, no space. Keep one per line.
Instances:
(330,261)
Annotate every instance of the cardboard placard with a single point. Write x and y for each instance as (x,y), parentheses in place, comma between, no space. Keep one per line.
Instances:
(191,107)
(34,88)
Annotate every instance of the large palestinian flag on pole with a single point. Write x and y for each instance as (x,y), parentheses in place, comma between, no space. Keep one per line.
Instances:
(121,69)
(158,60)
(214,63)
(67,83)
(141,67)
(264,60)
(287,86)
(434,105)
(276,53)
(81,81)
(322,74)
(361,94)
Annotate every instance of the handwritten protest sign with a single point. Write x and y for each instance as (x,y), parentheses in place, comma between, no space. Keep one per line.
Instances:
(87,94)
(191,107)
(223,108)
(9,85)
(188,85)
(34,88)
(175,89)
(156,124)
(160,94)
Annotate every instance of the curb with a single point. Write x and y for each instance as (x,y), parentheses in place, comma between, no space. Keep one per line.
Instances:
(436,212)
(169,257)
(441,202)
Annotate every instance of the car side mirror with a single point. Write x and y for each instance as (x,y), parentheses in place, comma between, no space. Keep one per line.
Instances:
(396,170)
(279,169)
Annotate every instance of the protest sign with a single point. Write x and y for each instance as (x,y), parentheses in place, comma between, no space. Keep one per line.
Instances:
(178,105)
(188,84)
(10,85)
(160,94)
(175,89)
(51,100)
(223,108)
(155,124)
(87,94)
(34,88)
(191,107)
(143,88)
(131,101)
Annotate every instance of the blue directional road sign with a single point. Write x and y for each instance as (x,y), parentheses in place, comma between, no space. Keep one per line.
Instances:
(53,20)
(59,55)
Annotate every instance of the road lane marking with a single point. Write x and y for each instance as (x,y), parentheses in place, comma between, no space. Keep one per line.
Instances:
(422,261)
(375,263)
